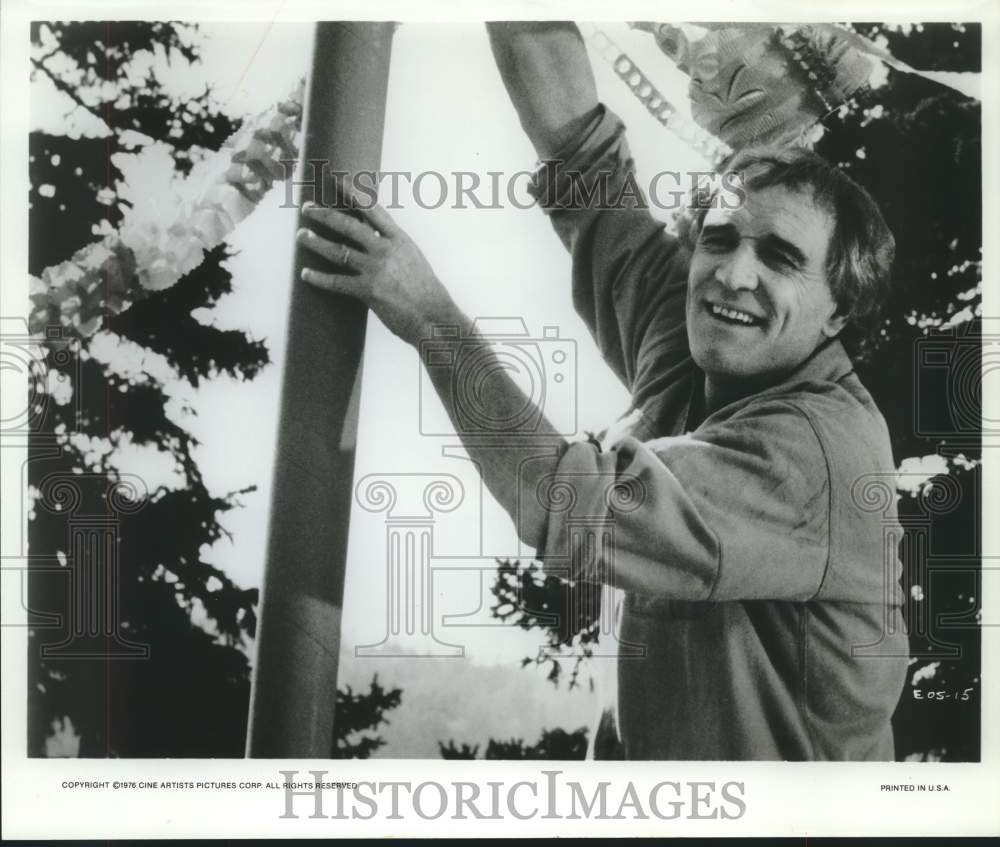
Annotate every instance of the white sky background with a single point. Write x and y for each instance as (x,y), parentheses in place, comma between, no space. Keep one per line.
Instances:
(445,115)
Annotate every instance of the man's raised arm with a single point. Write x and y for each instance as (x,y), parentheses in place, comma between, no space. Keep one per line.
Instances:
(545,68)
(629,276)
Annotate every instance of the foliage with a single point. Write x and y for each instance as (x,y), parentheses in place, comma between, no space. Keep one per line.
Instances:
(553,744)
(358,712)
(529,599)
(920,157)
(164,671)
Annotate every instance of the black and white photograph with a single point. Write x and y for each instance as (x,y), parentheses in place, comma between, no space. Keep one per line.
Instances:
(604,400)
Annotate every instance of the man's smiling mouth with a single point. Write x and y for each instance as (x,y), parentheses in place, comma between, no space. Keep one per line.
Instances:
(733,316)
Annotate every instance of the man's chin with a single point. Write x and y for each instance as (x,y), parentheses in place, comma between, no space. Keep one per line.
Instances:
(725,363)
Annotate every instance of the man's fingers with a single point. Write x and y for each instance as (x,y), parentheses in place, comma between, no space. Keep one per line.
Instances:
(342,224)
(334,283)
(378,218)
(338,254)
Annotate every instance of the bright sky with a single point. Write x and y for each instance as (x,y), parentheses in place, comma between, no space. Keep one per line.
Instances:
(447,115)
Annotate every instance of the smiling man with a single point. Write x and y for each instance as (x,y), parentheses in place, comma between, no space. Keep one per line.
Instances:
(758,299)
(761,608)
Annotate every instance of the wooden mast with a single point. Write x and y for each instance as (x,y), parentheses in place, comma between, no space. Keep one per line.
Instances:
(294,688)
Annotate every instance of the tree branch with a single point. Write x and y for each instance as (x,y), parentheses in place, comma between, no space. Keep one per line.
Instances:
(68,90)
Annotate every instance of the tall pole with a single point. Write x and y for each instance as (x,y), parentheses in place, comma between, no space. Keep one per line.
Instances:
(294,687)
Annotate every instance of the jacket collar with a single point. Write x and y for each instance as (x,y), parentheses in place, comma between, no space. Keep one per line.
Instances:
(827,363)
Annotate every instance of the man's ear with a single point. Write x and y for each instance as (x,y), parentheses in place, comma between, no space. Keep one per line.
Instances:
(834,324)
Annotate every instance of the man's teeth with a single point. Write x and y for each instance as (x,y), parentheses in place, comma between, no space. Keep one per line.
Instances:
(734,315)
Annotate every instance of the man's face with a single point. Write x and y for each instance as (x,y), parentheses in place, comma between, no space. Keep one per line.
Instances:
(758,299)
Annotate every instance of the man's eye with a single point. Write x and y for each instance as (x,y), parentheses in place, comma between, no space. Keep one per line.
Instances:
(777,259)
(714,241)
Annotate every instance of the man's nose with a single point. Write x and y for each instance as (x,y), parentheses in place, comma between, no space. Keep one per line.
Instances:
(739,269)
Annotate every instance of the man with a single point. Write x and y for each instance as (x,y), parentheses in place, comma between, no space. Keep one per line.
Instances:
(762,598)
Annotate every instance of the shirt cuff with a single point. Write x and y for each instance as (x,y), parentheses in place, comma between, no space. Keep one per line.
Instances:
(576,498)
(622,518)
(573,173)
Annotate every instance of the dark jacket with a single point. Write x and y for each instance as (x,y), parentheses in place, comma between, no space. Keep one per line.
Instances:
(756,549)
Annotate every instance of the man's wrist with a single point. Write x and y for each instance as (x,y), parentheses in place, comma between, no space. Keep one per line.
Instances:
(445,313)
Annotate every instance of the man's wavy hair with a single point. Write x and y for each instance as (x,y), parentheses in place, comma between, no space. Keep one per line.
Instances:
(861,251)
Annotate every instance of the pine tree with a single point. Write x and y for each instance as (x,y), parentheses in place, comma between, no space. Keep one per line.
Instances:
(917,149)
(166,673)
(553,744)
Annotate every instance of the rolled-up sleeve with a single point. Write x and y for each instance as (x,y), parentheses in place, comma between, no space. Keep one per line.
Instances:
(629,274)
(738,511)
